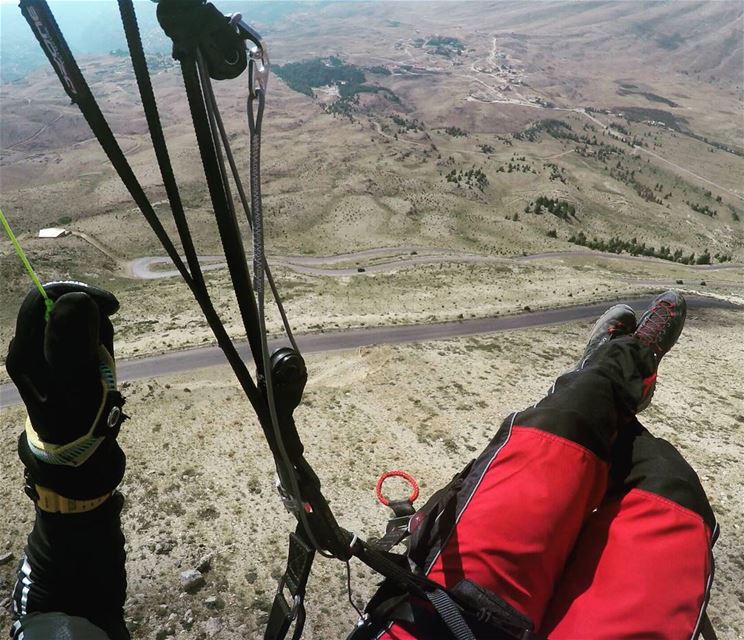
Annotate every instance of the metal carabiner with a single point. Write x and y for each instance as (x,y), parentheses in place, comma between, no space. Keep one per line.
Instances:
(259,69)
(258,55)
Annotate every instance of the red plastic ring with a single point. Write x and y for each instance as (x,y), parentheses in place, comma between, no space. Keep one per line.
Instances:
(396,474)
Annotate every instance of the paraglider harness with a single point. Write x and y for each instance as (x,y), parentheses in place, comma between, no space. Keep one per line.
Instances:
(210,45)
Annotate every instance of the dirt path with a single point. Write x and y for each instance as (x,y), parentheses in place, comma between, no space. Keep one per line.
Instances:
(621,137)
(97,244)
(36,133)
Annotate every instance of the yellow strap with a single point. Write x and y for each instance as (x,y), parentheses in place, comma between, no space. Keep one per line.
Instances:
(54,503)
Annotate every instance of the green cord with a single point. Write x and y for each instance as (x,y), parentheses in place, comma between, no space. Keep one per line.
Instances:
(47,300)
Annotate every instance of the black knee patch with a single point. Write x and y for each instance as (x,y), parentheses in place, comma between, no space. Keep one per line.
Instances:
(653,464)
(580,408)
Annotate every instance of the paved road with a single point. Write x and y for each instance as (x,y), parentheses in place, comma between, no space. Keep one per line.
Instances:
(200,357)
(154,267)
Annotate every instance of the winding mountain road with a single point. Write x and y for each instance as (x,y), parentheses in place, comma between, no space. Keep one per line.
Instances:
(200,357)
(154,267)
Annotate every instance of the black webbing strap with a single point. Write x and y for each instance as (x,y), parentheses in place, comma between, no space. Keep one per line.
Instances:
(193,26)
(46,30)
(198,288)
(396,529)
(465,599)
(149,104)
(283,614)
(227,224)
(706,628)
(386,564)
(450,614)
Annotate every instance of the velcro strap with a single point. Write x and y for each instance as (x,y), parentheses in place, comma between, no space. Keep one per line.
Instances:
(52,502)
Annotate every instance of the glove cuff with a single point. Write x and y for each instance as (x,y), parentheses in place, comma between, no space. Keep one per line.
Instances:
(101,473)
(51,502)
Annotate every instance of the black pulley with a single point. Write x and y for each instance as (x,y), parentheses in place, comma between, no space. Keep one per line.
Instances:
(289,375)
(197,23)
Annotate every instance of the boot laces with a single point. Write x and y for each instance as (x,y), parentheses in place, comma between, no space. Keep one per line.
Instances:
(652,328)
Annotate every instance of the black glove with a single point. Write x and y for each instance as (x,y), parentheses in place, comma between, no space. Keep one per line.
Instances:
(65,372)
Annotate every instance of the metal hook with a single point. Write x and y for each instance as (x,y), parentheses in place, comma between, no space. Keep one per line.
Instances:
(257,54)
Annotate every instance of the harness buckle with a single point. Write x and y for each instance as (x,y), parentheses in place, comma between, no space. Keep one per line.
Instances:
(296,604)
(291,504)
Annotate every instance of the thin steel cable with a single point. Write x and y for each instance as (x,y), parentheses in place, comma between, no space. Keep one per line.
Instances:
(214,109)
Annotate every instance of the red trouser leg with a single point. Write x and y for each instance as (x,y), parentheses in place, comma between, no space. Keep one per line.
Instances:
(522,521)
(524,518)
(519,527)
(544,473)
(640,570)
(642,567)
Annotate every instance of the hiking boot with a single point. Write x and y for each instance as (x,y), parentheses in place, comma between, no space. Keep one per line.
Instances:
(661,324)
(619,320)
(659,329)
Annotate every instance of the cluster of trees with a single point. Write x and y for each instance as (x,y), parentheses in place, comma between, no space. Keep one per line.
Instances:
(445,46)
(407,125)
(634,248)
(515,166)
(702,208)
(660,188)
(349,79)
(320,72)
(603,151)
(647,193)
(606,151)
(486,148)
(628,177)
(456,132)
(379,70)
(643,114)
(556,172)
(559,208)
(556,129)
(473,178)
(341,107)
